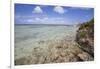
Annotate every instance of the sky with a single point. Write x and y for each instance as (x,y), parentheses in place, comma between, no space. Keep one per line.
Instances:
(46,14)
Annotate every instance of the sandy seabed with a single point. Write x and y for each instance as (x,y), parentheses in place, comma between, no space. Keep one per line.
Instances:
(47,44)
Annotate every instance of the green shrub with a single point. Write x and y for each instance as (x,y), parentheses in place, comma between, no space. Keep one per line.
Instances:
(82,34)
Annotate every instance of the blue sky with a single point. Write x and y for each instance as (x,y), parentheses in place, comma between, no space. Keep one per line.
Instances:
(46,14)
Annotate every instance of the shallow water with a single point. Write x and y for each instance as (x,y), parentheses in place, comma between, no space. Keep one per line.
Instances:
(28,37)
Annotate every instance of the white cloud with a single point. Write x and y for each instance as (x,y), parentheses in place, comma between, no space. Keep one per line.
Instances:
(43,20)
(59,9)
(30,20)
(47,20)
(37,19)
(37,9)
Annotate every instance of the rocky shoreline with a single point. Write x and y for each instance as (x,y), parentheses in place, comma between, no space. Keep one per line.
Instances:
(64,50)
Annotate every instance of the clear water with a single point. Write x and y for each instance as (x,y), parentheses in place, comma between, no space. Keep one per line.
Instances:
(28,37)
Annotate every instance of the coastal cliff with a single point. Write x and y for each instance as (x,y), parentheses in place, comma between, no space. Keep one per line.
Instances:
(85,37)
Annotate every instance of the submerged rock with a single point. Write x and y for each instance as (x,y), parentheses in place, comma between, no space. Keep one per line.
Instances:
(85,56)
